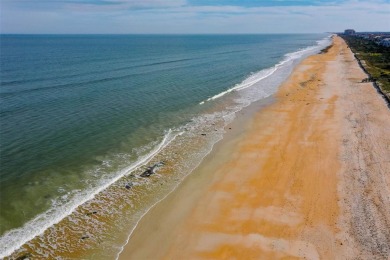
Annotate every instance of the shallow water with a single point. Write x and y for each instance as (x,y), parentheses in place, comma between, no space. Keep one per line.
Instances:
(82,116)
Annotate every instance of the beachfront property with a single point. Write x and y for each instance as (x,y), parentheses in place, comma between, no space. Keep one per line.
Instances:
(380,38)
(349,32)
(385,42)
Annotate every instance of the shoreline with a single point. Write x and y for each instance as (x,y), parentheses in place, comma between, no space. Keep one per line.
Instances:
(218,211)
(109,215)
(233,133)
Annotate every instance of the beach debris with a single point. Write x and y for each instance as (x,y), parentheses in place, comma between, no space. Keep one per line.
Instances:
(129,185)
(203,134)
(151,170)
(91,213)
(23,257)
(325,50)
(84,237)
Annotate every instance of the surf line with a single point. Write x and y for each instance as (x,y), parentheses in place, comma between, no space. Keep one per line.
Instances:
(262,74)
(16,238)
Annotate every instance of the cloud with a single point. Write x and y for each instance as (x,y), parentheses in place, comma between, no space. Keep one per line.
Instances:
(135,3)
(259,3)
(113,5)
(177,16)
(82,4)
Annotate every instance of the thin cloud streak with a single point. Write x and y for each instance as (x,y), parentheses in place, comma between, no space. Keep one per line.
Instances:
(177,16)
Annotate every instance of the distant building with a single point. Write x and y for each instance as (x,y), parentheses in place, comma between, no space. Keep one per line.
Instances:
(385,42)
(349,32)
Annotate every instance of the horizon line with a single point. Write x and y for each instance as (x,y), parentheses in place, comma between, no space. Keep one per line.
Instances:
(123,34)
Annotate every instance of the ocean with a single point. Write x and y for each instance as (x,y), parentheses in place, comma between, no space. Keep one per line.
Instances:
(82,117)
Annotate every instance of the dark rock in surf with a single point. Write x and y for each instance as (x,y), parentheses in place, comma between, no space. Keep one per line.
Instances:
(148,172)
(151,170)
(91,213)
(23,257)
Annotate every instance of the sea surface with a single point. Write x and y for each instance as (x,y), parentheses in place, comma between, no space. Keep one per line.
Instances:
(83,116)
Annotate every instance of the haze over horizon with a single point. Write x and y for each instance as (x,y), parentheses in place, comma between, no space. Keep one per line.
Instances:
(191,17)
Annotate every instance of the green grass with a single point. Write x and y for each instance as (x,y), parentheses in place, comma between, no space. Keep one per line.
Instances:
(376,58)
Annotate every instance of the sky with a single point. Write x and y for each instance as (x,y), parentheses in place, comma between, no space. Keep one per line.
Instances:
(192,16)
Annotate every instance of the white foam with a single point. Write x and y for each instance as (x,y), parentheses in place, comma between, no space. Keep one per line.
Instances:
(247,83)
(15,238)
(207,118)
(261,75)
(229,116)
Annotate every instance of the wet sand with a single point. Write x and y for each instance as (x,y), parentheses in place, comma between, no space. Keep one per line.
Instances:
(308,176)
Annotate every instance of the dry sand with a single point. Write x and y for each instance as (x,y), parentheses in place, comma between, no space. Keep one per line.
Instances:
(309,177)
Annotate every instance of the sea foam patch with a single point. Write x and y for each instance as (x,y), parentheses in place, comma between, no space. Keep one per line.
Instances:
(205,129)
(263,74)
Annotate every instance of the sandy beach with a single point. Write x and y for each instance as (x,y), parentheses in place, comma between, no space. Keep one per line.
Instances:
(308,176)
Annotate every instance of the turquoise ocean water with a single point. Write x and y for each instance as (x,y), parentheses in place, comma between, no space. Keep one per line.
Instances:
(82,116)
